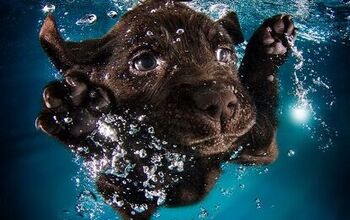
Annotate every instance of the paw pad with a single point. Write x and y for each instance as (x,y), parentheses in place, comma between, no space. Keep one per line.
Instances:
(278,34)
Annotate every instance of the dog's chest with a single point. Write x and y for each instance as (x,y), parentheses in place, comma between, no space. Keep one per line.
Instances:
(193,187)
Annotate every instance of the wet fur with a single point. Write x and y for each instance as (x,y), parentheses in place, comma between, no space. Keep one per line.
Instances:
(102,66)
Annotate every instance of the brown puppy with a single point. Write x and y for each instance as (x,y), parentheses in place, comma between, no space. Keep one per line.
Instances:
(157,104)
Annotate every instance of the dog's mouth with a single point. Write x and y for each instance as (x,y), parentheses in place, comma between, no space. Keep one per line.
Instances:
(217,144)
(201,141)
(213,145)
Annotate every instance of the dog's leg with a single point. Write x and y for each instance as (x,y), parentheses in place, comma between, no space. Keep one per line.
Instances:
(71,111)
(265,52)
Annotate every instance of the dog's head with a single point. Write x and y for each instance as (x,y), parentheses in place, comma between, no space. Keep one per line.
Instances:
(177,62)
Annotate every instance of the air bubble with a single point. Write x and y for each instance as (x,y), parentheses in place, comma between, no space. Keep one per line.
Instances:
(139,208)
(226,192)
(133,129)
(141,117)
(77,182)
(142,153)
(258,203)
(236,153)
(49,8)
(161,199)
(176,161)
(180,31)
(151,130)
(112,14)
(156,215)
(203,214)
(67,120)
(149,33)
(88,19)
(156,193)
(120,203)
(291,153)
(177,165)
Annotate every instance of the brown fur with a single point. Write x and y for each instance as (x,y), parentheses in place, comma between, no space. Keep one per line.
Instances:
(205,107)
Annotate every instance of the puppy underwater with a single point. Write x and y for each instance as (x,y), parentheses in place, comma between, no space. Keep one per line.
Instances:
(159,103)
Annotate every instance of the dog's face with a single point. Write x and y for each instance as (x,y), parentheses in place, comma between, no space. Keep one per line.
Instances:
(175,65)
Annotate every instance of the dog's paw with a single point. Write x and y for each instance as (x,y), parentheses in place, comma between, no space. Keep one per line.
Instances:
(277,34)
(72,109)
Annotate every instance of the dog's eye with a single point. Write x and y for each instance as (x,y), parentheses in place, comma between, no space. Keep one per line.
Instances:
(223,55)
(145,62)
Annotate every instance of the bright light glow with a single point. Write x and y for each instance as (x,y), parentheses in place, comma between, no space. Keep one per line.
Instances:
(300,114)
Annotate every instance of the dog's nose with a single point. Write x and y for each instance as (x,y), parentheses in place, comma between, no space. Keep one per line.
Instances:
(216,104)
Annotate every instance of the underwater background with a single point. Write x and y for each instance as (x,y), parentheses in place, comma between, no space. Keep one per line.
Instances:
(41,180)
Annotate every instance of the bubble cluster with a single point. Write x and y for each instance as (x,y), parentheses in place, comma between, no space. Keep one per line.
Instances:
(308,83)
(122,142)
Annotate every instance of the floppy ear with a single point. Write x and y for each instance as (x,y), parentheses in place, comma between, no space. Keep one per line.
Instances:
(231,24)
(68,55)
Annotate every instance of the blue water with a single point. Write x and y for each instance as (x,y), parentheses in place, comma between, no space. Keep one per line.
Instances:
(38,174)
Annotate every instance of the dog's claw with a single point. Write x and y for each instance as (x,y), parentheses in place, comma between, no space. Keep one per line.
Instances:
(52,96)
(47,124)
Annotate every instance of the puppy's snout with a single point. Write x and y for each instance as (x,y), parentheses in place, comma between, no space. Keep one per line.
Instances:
(219,105)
